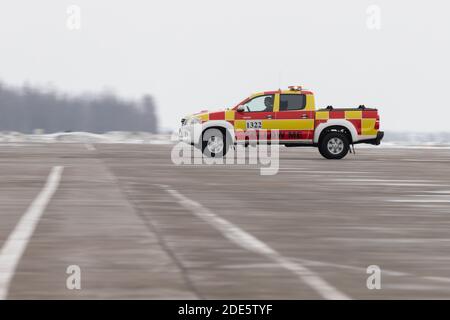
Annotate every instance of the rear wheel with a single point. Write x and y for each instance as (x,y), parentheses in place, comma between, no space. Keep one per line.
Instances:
(334,145)
(214,144)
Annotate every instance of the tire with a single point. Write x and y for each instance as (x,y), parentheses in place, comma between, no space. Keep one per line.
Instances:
(214,143)
(334,145)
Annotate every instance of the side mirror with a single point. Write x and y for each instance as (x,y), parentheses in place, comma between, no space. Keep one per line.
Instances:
(241,108)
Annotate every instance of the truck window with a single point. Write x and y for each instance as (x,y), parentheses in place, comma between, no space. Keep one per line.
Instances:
(290,102)
(260,104)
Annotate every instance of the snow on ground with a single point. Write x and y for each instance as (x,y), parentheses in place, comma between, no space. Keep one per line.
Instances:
(86,137)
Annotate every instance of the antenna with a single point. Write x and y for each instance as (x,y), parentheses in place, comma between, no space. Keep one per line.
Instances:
(279,80)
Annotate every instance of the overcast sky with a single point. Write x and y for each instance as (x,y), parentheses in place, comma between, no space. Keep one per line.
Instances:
(206,54)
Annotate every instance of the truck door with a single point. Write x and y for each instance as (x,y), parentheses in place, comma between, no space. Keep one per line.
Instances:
(294,122)
(257,115)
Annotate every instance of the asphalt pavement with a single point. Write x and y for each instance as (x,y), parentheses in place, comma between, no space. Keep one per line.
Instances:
(140,227)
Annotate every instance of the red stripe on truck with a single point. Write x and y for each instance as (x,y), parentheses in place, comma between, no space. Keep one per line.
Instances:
(337,114)
(357,124)
(319,122)
(296,134)
(369,114)
(217,115)
(294,114)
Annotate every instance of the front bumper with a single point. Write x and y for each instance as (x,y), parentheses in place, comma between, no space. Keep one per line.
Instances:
(190,133)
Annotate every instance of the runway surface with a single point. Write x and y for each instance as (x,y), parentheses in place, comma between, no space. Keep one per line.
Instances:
(139,226)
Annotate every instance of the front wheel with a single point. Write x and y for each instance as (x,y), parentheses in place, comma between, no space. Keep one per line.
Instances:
(334,145)
(214,143)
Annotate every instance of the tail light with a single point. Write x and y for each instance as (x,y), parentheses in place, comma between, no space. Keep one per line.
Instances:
(377,123)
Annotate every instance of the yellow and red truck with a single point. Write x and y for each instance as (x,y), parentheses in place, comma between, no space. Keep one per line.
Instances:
(288,117)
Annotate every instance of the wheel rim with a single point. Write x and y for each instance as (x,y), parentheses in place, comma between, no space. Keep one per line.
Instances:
(335,145)
(215,144)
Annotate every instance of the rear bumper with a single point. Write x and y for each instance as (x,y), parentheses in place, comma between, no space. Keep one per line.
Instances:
(377,140)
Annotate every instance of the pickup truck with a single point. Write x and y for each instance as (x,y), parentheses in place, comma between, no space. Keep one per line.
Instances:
(288,117)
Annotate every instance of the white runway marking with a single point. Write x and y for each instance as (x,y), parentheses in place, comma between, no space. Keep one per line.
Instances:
(249,242)
(410,184)
(343,266)
(389,182)
(17,241)
(90,146)
(430,197)
(388,240)
(383,180)
(444,192)
(422,160)
(324,172)
(420,200)
(438,279)
(363,270)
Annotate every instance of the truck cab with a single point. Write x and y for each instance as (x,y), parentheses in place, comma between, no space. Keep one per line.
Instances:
(288,117)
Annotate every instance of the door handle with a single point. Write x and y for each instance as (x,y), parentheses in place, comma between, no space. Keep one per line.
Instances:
(269,116)
(304,116)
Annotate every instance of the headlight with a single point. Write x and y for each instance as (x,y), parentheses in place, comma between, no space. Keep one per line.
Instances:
(194,120)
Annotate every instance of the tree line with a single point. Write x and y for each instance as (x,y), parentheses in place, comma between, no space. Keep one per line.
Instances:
(26,109)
